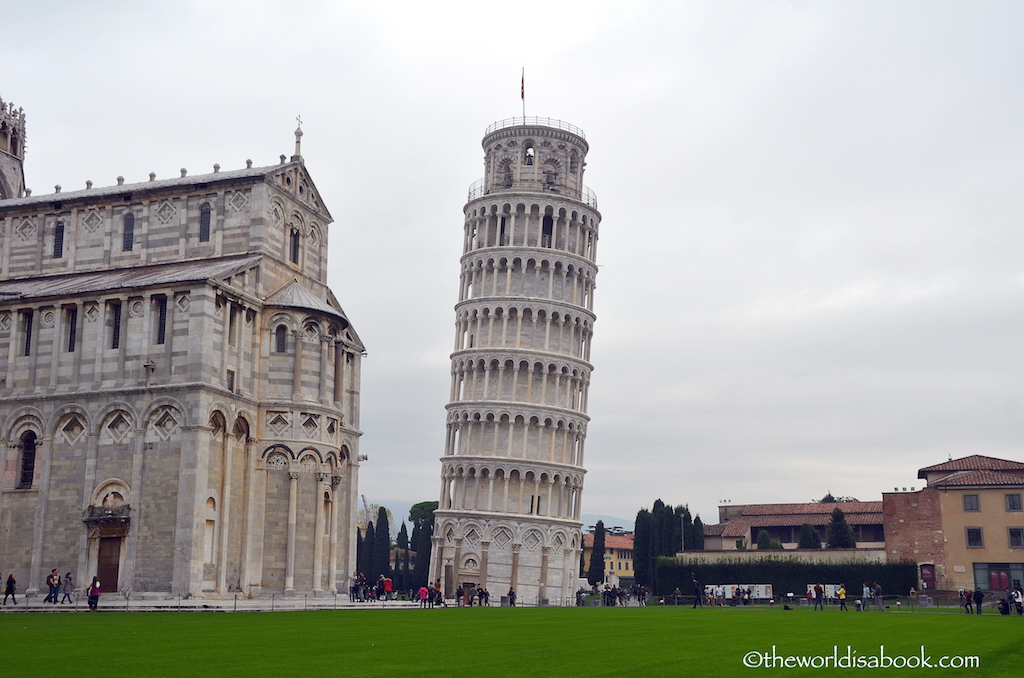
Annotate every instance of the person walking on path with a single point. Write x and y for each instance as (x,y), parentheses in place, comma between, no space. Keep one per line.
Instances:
(978,597)
(67,588)
(878,597)
(698,594)
(94,594)
(11,589)
(841,592)
(53,583)
(511,597)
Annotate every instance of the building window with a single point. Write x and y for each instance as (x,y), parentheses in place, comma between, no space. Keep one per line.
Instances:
(281,339)
(1013,501)
(128,234)
(232,324)
(293,246)
(231,381)
(58,240)
(547,228)
(975,538)
(114,308)
(1017,537)
(28,460)
(71,323)
(971,502)
(204,223)
(161,319)
(26,332)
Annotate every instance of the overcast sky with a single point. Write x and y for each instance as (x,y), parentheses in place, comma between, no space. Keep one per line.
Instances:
(811,248)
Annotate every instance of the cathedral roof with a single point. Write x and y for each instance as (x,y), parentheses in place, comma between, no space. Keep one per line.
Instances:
(295,295)
(125,278)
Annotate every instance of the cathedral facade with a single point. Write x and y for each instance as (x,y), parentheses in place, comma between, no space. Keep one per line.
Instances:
(512,470)
(179,388)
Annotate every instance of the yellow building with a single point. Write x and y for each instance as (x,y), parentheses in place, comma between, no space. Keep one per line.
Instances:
(618,557)
(965,529)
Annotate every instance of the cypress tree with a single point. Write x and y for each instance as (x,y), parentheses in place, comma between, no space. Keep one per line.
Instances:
(764,540)
(697,536)
(809,538)
(839,533)
(381,545)
(421,516)
(366,553)
(595,575)
(402,572)
(643,562)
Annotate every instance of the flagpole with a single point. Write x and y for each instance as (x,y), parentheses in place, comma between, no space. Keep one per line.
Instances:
(522,93)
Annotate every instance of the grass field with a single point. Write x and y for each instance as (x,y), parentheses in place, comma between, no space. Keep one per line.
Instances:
(645,642)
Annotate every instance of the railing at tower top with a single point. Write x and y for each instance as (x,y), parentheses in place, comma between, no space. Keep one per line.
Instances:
(479,188)
(534,120)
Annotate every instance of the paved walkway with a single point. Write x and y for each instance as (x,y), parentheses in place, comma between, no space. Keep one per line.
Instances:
(117,603)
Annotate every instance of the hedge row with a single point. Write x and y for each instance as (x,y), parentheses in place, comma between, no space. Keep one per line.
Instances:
(785,575)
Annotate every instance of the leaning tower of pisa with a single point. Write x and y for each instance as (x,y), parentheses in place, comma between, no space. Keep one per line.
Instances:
(512,470)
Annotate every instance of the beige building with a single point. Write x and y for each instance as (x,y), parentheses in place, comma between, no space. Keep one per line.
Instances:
(965,529)
(512,470)
(179,389)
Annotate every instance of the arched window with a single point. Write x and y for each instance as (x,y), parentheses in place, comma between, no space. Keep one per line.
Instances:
(281,339)
(28,460)
(58,240)
(293,246)
(128,238)
(204,223)
(528,154)
(547,228)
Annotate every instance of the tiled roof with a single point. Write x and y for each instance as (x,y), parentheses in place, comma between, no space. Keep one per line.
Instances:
(975,462)
(976,478)
(610,541)
(811,508)
(228,175)
(714,530)
(125,278)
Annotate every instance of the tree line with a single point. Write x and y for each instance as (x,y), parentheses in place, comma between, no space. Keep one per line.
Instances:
(662,531)
(409,568)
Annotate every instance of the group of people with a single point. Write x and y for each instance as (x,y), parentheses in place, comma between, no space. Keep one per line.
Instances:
(472,593)
(56,588)
(1013,602)
(359,590)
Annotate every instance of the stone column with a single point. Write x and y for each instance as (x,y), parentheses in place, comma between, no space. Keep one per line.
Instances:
(131,542)
(515,566)
(44,445)
(225,513)
(318,533)
(545,556)
(297,371)
(484,547)
(324,343)
(293,501)
(332,553)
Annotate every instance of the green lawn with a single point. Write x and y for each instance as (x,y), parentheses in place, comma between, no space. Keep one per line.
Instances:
(488,642)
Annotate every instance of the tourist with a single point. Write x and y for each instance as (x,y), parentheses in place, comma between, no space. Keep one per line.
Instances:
(67,588)
(11,589)
(94,594)
(819,597)
(878,597)
(841,593)
(53,583)
(511,597)
(698,594)
(424,593)
(978,597)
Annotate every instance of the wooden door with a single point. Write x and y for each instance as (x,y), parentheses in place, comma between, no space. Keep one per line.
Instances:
(108,563)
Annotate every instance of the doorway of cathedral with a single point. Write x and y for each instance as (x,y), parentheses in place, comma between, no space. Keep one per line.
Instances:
(108,563)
